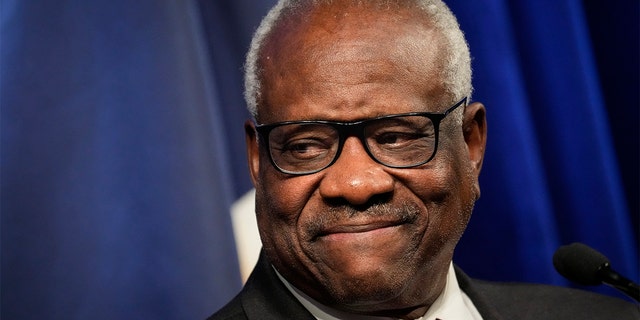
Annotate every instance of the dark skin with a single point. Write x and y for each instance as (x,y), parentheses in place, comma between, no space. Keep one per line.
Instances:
(359,236)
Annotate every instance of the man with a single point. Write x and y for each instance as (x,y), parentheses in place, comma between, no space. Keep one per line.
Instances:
(365,155)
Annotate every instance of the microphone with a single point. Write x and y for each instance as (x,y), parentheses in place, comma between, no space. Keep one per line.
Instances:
(586,266)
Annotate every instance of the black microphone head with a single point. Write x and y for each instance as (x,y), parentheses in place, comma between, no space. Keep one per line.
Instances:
(580,263)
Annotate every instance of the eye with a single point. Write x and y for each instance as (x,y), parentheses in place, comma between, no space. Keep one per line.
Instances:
(391,138)
(398,137)
(400,133)
(296,143)
(306,148)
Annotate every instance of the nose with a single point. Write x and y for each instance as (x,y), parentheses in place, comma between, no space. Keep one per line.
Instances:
(355,177)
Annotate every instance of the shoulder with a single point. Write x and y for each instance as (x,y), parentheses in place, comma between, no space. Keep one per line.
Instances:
(233,310)
(504,300)
(264,296)
(513,300)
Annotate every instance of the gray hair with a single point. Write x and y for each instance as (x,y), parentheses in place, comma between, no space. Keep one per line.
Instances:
(456,73)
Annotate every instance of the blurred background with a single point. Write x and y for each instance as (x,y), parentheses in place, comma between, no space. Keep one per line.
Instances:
(122,148)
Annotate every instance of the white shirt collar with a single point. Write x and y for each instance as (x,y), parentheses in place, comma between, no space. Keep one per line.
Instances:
(451,304)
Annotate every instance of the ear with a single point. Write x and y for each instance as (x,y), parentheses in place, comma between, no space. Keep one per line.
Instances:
(253,150)
(475,134)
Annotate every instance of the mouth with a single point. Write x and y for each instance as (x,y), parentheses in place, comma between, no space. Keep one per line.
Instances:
(343,231)
(348,223)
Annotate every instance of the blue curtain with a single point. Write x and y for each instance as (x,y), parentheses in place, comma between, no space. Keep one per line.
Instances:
(115,175)
(122,148)
(551,174)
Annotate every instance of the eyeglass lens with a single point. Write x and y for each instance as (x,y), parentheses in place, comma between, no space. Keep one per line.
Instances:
(401,141)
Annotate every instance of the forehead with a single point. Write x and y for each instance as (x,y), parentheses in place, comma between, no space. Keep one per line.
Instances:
(333,59)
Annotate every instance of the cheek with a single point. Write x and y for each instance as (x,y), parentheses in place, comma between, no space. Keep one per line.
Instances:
(279,201)
(454,170)
(434,184)
(286,195)
(457,180)
(446,189)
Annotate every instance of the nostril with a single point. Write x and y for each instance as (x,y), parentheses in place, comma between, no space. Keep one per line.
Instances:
(336,202)
(375,200)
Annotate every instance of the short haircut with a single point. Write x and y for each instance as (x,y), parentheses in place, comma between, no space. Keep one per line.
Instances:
(456,59)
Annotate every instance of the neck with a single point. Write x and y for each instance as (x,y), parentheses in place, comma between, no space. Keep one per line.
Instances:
(362,312)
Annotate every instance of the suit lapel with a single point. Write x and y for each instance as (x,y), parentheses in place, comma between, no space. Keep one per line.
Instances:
(486,309)
(266,297)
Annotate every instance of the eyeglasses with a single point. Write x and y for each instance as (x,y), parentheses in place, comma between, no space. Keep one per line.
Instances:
(398,141)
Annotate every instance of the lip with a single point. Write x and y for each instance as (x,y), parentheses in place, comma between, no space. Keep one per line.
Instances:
(355,228)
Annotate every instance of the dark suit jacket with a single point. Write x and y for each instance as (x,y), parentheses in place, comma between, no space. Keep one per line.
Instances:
(264,296)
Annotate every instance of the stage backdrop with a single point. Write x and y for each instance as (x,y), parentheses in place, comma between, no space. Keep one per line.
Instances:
(122,148)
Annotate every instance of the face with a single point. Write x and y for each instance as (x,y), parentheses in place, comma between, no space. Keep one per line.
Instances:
(359,236)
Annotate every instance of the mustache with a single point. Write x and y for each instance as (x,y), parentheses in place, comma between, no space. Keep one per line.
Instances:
(337,214)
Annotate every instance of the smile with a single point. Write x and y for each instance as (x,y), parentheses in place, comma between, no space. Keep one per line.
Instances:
(357,231)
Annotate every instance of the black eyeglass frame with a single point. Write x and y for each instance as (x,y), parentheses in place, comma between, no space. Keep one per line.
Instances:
(356,128)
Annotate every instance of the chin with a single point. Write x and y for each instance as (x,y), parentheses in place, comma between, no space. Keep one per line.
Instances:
(368,291)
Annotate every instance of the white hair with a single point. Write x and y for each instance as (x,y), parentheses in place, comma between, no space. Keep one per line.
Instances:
(456,59)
